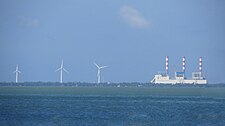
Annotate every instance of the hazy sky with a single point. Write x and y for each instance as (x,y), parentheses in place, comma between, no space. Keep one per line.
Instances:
(132,37)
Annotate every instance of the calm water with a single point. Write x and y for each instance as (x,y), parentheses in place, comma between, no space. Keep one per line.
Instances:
(111,106)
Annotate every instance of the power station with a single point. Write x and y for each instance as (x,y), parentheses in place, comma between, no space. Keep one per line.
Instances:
(179,76)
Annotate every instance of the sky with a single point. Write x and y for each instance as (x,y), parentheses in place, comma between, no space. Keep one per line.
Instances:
(132,37)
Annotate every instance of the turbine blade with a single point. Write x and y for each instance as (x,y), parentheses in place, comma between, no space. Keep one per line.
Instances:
(57,69)
(96,65)
(62,63)
(103,67)
(65,70)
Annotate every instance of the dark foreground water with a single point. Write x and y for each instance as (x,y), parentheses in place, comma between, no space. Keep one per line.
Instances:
(107,106)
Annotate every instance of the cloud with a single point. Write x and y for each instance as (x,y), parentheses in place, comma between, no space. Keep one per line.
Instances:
(133,17)
(27,21)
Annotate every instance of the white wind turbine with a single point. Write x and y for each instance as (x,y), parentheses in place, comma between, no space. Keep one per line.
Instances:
(61,72)
(17,73)
(99,69)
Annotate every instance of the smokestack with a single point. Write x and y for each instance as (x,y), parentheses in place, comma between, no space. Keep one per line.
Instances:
(167,65)
(200,66)
(183,64)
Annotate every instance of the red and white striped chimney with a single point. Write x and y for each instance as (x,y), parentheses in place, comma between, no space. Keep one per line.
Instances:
(167,65)
(183,64)
(200,66)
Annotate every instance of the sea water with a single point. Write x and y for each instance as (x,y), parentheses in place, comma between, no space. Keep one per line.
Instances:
(111,106)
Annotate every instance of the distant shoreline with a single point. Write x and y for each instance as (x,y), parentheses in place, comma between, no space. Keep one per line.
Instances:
(123,84)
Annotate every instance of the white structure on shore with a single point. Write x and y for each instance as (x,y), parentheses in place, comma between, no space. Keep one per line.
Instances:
(61,71)
(179,78)
(99,71)
(17,73)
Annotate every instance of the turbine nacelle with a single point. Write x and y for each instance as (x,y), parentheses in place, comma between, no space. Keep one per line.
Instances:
(99,67)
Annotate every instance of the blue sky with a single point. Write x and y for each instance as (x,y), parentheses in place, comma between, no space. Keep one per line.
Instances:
(132,37)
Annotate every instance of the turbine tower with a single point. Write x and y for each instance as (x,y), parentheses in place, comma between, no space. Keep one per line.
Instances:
(17,73)
(61,71)
(99,70)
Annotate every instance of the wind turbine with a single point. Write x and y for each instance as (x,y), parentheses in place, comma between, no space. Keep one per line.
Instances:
(61,71)
(17,73)
(99,70)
